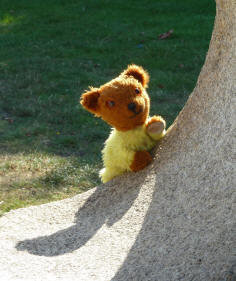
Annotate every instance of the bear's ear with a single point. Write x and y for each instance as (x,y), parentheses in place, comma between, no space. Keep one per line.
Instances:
(89,100)
(138,73)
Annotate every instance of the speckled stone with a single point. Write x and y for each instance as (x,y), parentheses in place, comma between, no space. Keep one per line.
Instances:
(175,220)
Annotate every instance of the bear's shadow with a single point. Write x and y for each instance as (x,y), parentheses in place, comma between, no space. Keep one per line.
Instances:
(107,204)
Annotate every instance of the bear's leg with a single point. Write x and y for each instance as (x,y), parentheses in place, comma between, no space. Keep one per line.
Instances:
(108,173)
(141,160)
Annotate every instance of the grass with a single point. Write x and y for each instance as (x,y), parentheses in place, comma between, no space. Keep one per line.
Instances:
(51,52)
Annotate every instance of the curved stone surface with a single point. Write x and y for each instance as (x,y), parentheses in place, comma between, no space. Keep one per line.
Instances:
(175,220)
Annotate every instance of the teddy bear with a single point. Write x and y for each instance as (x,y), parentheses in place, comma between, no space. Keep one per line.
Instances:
(124,104)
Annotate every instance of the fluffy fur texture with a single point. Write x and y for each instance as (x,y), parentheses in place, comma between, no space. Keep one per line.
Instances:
(124,104)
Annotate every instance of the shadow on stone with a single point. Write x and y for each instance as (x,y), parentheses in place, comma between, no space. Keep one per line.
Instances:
(102,207)
(187,232)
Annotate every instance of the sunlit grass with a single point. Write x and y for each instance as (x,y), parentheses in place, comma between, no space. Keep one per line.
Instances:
(9,19)
(36,178)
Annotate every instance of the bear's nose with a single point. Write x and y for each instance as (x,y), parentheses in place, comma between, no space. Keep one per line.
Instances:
(132,106)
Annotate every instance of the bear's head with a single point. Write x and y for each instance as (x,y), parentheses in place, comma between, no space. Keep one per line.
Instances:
(123,102)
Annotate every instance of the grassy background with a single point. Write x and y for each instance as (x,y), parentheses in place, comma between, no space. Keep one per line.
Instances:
(51,51)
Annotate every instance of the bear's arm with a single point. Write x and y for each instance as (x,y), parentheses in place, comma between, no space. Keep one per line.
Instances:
(155,127)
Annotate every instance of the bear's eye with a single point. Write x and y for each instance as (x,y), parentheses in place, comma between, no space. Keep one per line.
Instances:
(110,103)
(137,91)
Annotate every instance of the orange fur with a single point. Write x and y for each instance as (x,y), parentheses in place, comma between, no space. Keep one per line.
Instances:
(141,160)
(138,73)
(154,119)
(90,100)
(121,91)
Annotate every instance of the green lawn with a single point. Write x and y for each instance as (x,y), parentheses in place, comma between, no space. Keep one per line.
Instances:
(51,51)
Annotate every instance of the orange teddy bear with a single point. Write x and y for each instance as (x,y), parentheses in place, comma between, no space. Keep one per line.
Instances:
(124,104)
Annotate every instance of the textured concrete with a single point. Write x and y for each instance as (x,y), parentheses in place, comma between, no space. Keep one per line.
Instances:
(176,220)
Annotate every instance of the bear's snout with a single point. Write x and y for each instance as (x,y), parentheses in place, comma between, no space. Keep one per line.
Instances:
(132,107)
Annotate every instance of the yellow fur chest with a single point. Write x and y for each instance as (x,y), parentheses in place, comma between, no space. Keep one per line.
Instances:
(120,148)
